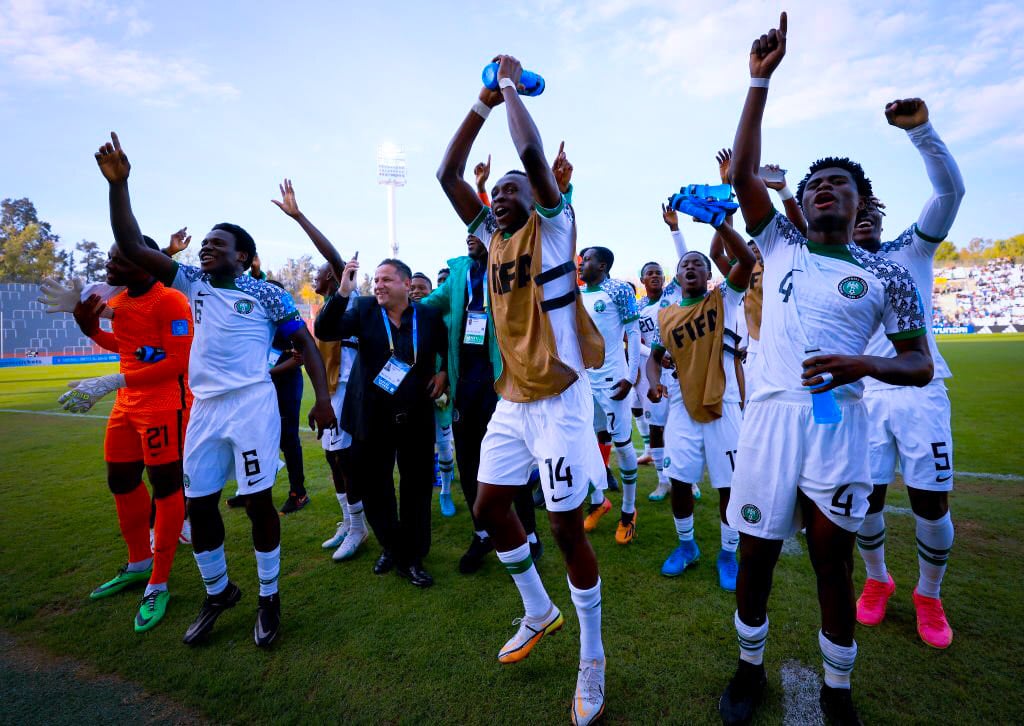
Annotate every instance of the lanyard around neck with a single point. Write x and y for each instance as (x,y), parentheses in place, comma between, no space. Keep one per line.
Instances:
(391,342)
(469,287)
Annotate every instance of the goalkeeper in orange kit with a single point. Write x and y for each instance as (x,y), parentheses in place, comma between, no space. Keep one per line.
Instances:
(152,333)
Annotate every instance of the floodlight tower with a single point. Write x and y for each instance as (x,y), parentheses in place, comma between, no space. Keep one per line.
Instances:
(391,173)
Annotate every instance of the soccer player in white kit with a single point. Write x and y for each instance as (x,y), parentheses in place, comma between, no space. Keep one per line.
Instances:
(545,415)
(823,298)
(700,333)
(912,424)
(611,304)
(235,425)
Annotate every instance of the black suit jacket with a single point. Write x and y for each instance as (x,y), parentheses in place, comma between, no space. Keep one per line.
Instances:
(368,409)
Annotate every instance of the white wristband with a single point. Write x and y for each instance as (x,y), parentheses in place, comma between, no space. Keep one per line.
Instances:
(785,195)
(481,109)
(506,83)
(759,83)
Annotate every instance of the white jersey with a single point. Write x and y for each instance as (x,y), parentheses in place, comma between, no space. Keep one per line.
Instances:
(917,254)
(234,327)
(612,307)
(826,297)
(558,242)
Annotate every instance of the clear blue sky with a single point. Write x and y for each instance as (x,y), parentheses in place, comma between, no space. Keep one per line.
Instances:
(217,102)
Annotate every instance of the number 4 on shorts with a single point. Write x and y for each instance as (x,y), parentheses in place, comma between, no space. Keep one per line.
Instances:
(844,506)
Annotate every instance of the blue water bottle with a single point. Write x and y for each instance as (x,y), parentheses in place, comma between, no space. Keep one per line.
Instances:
(149,354)
(533,84)
(718,192)
(824,405)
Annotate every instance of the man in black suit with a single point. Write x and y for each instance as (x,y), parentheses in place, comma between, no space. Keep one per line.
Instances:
(389,407)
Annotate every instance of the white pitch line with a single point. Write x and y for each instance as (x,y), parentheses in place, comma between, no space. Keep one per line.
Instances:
(52,413)
(997,477)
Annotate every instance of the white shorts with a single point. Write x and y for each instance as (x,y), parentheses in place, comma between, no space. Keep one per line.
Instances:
(336,439)
(555,435)
(689,445)
(615,417)
(913,425)
(782,450)
(236,434)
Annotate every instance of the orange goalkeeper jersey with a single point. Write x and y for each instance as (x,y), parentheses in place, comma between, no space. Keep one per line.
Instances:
(159,318)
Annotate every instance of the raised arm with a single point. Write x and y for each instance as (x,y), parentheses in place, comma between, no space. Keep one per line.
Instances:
(789,203)
(717,251)
(736,249)
(525,135)
(765,55)
(939,212)
(453,166)
(289,206)
(337,319)
(115,168)
(671,218)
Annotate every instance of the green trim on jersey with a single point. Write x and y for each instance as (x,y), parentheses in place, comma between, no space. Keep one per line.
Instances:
(762,225)
(630,320)
(592,288)
(907,334)
(734,288)
(838,252)
(479,219)
(226,285)
(927,237)
(554,211)
(688,301)
(658,346)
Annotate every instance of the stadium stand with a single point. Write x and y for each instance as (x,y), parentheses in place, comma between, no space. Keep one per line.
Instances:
(28,330)
(984,296)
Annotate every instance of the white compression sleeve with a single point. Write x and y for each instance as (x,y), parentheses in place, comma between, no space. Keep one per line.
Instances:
(947,185)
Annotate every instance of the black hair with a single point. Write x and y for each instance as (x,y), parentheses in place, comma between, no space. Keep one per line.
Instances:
(423,276)
(707,260)
(150,242)
(631,287)
(603,255)
(444,270)
(404,271)
(646,265)
(520,172)
(243,241)
(839,162)
(276,283)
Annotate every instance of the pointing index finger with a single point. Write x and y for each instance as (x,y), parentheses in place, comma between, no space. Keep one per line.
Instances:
(783,23)
(117,141)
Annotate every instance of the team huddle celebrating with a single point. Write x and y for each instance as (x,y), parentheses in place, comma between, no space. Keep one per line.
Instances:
(799,383)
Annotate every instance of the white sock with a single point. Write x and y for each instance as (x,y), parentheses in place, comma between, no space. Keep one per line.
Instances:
(626,455)
(268,566)
(343,502)
(482,534)
(684,528)
(446,463)
(934,541)
(356,516)
(658,455)
(871,544)
(837,660)
(140,566)
(752,640)
(531,538)
(213,567)
(588,610)
(151,588)
(730,538)
(520,565)
(644,428)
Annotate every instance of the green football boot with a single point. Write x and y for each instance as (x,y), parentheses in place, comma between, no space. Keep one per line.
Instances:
(122,580)
(151,610)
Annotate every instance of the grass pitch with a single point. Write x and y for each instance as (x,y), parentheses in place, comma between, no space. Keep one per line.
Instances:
(357,648)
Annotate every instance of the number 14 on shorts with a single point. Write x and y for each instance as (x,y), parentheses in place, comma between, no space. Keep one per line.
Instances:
(559,474)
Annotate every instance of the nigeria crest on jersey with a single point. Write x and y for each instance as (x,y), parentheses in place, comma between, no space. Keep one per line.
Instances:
(853,287)
(750,513)
(243,306)
(599,306)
